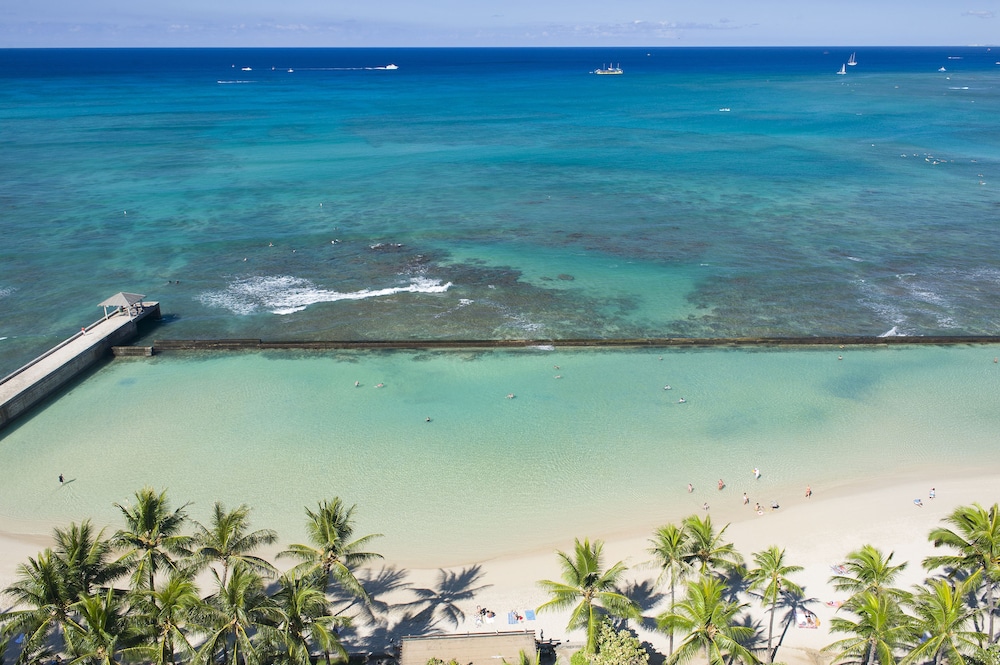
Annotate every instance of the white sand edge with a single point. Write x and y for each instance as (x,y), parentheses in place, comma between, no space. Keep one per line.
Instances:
(816,533)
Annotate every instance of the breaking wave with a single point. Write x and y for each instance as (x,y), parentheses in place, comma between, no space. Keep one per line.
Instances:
(286,295)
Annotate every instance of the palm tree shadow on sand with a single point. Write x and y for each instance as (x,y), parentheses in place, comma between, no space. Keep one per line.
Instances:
(791,603)
(647,597)
(380,626)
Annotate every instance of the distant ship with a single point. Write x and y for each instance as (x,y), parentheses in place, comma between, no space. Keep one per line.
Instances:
(843,69)
(391,67)
(852,61)
(609,70)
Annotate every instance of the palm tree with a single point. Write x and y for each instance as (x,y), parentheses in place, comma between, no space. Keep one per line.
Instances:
(770,576)
(881,629)
(104,636)
(151,536)
(170,613)
(237,613)
(331,551)
(709,621)
(307,620)
(869,571)
(943,619)
(84,558)
(228,542)
(41,592)
(595,589)
(707,551)
(975,535)
(669,549)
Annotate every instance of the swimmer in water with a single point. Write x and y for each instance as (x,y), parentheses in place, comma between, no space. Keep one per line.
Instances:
(681,400)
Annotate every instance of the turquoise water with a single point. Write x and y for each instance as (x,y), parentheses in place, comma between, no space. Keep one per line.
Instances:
(497,193)
(602,451)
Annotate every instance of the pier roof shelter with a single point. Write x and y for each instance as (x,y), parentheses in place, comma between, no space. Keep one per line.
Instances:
(122,300)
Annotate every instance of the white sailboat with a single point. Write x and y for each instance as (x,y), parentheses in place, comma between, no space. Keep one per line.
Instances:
(853,60)
(843,69)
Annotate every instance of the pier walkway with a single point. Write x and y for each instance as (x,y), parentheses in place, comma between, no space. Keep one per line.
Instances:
(30,384)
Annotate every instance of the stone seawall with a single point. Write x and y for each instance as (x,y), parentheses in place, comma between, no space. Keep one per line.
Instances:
(160,346)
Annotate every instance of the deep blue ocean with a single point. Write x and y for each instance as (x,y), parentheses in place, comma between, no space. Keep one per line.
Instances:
(480,193)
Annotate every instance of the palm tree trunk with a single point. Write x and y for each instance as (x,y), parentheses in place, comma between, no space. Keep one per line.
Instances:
(770,630)
(672,603)
(992,607)
(871,654)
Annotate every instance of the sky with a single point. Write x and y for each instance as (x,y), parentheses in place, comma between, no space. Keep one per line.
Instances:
(379,23)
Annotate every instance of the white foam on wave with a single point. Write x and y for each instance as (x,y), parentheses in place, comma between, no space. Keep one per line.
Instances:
(935,295)
(462,302)
(892,332)
(286,295)
(6,291)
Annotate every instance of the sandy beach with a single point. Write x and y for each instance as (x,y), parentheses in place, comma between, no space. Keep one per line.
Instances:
(816,532)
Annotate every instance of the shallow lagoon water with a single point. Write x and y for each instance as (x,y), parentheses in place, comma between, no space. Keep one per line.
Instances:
(604,450)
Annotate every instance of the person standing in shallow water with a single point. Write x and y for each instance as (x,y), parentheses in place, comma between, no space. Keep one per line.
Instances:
(61,479)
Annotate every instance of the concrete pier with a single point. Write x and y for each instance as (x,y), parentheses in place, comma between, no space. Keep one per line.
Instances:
(27,386)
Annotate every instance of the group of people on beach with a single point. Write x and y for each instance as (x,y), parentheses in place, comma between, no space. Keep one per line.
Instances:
(746,497)
(484,615)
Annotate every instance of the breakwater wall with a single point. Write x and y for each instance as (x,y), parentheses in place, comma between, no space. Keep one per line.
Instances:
(161,346)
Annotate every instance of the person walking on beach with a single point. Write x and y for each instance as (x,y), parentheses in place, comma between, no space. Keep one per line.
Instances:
(746,499)
(809,491)
(690,488)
